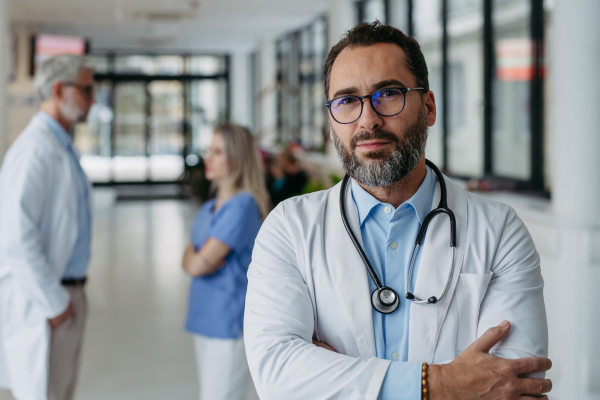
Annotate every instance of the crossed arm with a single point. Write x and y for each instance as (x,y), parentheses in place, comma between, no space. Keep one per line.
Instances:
(207,260)
(286,363)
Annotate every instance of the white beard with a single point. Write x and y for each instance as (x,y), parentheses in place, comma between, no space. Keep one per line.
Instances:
(72,112)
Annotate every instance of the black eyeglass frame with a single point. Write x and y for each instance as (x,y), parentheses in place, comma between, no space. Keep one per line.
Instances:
(88,91)
(404,90)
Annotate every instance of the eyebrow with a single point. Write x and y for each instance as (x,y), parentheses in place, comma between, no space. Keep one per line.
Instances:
(342,92)
(389,82)
(376,87)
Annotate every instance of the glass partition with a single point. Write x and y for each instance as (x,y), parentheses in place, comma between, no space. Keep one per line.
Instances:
(149,109)
(149,65)
(465,88)
(428,32)
(511,129)
(300,94)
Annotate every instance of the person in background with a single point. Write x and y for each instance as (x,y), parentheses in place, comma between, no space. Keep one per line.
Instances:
(287,177)
(218,257)
(45,235)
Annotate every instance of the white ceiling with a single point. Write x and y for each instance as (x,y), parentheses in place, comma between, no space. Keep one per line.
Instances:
(197,25)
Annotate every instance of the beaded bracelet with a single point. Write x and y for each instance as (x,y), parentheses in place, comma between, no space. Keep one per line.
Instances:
(424,387)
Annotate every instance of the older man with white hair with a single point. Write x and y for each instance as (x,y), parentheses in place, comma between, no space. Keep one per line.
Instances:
(45,234)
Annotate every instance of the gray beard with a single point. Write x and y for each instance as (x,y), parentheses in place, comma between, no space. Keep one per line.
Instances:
(72,113)
(381,169)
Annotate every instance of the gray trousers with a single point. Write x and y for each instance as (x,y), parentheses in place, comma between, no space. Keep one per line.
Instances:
(65,349)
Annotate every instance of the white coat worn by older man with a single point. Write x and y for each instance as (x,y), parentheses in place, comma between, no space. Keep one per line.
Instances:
(45,222)
(310,329)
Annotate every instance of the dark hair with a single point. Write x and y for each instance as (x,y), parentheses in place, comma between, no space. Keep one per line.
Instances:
(368,34)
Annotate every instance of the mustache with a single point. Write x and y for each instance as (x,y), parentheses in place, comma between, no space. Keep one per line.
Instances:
(378,134)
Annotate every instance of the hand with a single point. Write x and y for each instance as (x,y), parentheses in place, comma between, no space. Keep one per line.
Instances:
(323,345)
(475,374)
(62,318)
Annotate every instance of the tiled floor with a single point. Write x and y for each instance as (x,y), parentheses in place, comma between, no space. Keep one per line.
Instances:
(135,347)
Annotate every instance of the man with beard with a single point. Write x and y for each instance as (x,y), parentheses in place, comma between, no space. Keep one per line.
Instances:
(318,326)
(45,234)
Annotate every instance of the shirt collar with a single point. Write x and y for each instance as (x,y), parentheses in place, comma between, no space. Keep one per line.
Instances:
(57,129)
(420,201)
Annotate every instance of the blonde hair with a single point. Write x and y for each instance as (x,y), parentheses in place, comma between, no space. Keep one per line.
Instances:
(245,166)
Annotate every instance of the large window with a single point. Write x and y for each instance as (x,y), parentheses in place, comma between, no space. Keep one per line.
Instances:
(428,31)
(465,88)
(151,112)
(486,72)
(300,94)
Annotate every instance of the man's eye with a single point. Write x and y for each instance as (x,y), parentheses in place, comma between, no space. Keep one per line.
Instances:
(388,93)
(347,100)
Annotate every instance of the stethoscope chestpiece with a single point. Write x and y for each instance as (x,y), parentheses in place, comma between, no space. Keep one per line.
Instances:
(385,300)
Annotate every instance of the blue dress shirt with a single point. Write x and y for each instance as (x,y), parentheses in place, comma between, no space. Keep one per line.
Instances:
(78,263)
(389,236)
(216,302)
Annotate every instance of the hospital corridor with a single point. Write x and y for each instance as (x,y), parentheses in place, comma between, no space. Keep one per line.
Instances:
(299,200)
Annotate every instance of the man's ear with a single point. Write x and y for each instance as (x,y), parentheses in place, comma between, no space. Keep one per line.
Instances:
(57,90)
(430,108)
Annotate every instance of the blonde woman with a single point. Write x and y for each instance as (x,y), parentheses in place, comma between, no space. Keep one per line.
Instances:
(218,257)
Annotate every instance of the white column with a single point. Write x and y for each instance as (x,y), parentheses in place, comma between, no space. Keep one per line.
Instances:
(572,273)
(341,18)
(576,91)
(4,30)
(267,63)
(240,89)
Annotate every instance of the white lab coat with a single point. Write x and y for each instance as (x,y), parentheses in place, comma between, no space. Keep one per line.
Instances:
(38,230)
(306,281)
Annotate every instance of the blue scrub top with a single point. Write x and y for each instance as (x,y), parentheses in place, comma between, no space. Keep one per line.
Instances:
(216,302)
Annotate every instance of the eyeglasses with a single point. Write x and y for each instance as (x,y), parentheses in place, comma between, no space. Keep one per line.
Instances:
(386,102)
(87,90)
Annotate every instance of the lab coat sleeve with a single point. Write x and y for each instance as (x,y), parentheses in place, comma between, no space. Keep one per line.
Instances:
(278,330)
(515,294)
(26,181)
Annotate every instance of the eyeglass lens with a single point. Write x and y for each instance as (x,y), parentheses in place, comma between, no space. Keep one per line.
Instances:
(386,102)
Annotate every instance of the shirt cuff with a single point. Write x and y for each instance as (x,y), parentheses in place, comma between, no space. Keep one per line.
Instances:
(402,382)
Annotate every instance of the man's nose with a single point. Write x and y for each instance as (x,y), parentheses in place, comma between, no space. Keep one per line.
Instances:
(369,119)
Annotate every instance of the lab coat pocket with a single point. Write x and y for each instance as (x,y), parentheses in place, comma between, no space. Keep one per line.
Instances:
(470,291)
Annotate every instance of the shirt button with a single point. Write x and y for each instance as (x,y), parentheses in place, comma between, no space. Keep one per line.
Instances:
(387,210)
(394,245)
(395,356)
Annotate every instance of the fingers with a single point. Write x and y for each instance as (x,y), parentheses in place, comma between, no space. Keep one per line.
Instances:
(530,365)
(323,345)
(491,337)
(535,386)
(542,397)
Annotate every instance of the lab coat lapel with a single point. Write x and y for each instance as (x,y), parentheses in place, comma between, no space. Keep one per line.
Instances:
(348,272)
(436,258)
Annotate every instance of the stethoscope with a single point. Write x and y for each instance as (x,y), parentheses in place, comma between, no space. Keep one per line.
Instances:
(384,298)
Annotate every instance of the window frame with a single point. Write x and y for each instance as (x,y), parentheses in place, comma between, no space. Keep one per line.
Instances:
(536,184)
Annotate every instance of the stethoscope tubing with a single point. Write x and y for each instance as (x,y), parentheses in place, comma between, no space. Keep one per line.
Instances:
(441,208)
(361,252)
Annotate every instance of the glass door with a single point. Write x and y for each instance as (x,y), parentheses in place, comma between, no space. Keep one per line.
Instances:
(166,136)
(151,112)
(130,136)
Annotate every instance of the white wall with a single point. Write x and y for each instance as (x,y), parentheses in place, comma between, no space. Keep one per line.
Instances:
(4,136)
(266,98)
(240,82)
(24,102)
